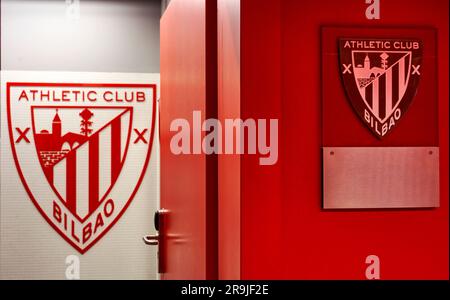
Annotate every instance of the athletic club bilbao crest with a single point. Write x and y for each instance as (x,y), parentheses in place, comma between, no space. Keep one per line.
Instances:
(381,78)
(81,151)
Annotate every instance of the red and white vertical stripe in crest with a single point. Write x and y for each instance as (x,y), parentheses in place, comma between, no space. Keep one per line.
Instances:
(385,91)
(85,175)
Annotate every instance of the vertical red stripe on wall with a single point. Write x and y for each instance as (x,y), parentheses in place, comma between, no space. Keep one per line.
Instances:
(49,172)
(115,149)
(71,181)
(93,173)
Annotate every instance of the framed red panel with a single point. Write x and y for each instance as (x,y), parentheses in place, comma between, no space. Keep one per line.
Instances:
(379,89)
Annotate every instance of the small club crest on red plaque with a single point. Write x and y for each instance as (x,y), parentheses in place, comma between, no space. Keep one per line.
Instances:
(381,78)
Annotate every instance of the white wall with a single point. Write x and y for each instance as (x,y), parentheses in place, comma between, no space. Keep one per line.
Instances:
(108,36)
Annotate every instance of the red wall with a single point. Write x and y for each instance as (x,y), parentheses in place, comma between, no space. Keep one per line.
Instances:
(284,232)
(261,186)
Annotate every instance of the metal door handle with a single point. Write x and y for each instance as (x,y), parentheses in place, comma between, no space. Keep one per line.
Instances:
(159,239)
(151,239)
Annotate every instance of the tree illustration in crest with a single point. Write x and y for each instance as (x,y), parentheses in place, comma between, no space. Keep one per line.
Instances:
(384,62)
(86,115)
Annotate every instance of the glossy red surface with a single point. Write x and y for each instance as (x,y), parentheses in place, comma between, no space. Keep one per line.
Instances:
(229,188)
(188,182)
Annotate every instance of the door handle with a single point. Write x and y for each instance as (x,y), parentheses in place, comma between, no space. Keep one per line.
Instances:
(159,238)
(151,239)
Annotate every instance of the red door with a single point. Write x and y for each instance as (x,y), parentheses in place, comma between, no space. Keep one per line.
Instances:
(188,248)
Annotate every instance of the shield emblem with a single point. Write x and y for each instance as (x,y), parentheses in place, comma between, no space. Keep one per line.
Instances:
(81,164)
(380,77)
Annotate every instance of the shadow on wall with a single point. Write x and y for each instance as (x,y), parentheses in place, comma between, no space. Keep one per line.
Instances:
(86,35)
(164,4)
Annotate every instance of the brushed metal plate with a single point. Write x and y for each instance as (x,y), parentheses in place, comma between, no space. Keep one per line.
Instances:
(380,177)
